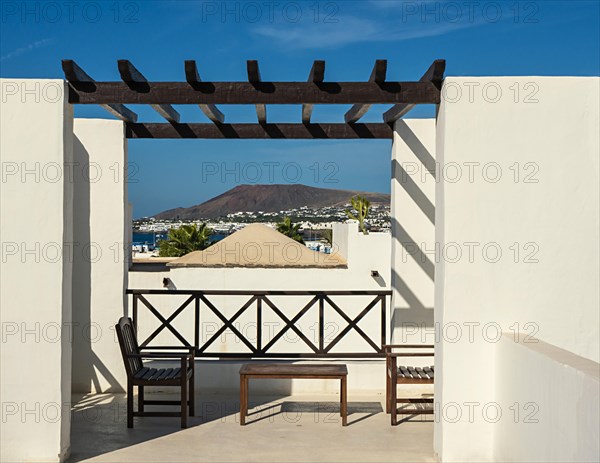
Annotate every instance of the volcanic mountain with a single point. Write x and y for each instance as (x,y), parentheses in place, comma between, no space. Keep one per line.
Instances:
(268,198)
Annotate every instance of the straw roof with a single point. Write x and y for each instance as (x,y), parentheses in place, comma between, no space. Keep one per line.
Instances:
(258,245)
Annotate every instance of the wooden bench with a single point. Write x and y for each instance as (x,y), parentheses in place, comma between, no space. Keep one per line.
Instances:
(399,374)
(286,371)
(140,375)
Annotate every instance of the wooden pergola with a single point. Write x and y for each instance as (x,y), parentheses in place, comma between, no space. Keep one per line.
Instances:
(134,88)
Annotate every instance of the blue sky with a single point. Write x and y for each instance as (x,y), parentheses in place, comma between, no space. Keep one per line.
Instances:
(476,38)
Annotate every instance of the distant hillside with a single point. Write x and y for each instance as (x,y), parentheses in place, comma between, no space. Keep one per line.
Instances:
(268,198)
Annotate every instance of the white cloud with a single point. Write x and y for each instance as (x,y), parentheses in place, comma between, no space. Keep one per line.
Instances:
(26,49)
(399,4)
(349,29)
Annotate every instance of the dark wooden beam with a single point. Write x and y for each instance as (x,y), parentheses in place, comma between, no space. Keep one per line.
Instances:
(193,77)
(258,93)
(253,71)
(134,78)
(74,74)
(377,75)
(254,78)
(379,72)
(260,131)
(317,72)
(435,75)
(316,76)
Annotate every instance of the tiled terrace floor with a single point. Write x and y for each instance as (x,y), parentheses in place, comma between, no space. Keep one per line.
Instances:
(282,429)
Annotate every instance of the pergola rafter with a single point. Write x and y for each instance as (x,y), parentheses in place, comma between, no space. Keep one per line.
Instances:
(136,89)
(378,76)
(316,76)
(254,79)
(74,74)
(259,131)
(435,75)
(193,78)
(136,81)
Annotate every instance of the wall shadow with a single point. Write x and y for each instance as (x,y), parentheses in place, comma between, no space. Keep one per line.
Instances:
(82,369)
(85,364)
(416,314)
(415,145)
(99,421)
(412,248)
(410,186)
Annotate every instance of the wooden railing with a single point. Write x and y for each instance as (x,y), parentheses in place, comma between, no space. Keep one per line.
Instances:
(262,301)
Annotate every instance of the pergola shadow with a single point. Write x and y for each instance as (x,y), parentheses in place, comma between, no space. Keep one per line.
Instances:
(99,421)
(277,426)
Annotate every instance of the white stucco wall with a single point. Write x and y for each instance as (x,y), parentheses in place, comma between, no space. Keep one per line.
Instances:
(364,253)
(552,413)
(36,232)
(413,232)
(533,195)
(100,215)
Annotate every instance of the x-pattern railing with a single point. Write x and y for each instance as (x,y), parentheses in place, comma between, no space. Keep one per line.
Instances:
(262,300)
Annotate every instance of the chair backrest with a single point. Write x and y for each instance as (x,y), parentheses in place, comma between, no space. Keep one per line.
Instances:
(129,345)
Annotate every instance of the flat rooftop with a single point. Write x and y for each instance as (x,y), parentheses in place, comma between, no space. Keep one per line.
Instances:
(299,428)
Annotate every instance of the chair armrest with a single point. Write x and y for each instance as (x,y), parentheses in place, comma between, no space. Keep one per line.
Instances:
(387,347)
(408,354)
(190,349)
(168,355)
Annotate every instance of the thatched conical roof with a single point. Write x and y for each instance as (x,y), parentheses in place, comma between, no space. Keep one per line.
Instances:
(258,245)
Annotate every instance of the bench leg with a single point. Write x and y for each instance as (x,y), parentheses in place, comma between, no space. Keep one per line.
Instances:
(140,398)
(243,399)
(388,385)
(192,398)
(129,404)
(394,404)
(344,402)
(184,402)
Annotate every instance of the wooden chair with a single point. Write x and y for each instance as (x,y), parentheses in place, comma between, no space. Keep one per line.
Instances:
(140,375)
(406,375)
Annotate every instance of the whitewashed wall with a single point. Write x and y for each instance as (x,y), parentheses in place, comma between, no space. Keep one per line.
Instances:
(519,161)
(100,271)
(413,232)
(36,230)
(364,253)
(552,413)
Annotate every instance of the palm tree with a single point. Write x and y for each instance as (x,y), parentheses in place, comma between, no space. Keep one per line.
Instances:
(327,235)
(184,240)
(290,229)
(361,206)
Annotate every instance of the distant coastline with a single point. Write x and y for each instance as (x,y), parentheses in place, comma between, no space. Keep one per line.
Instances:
(152,238)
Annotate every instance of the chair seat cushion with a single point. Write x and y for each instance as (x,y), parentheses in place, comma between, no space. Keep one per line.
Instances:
(425,373)
(158,374)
